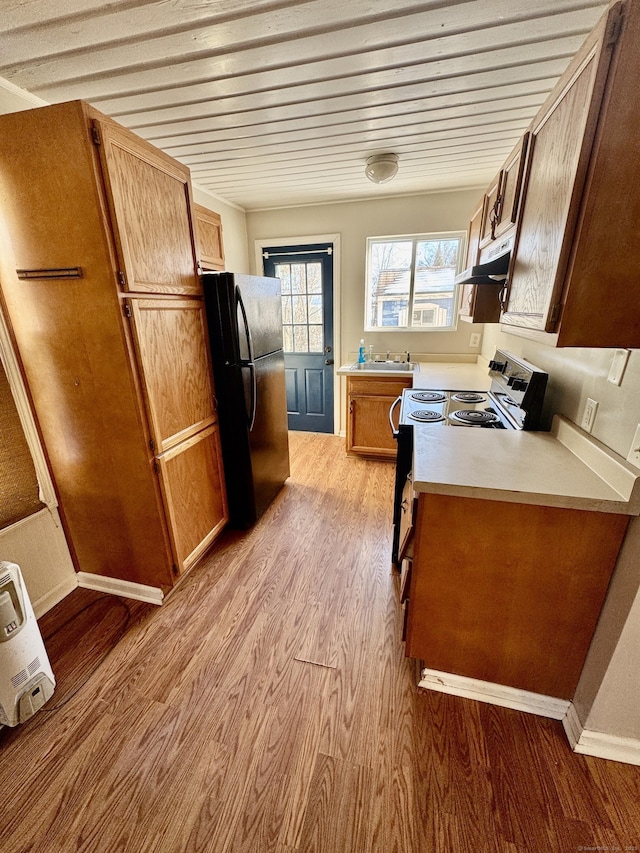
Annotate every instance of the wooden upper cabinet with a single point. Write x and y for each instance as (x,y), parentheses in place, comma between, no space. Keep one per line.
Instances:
(491,210)
(468,291)
(208,227)
(574,275)
(150,203)
(171,345)
(511,187)
(553,183)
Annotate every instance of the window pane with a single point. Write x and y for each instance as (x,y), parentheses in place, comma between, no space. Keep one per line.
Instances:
(300,339)
(314,277)
(389,282)
(299,309)
(314,304)
(287,338)
(283,272)
(410,282)
(434,290)
(298,278)
(287,316)
(316,343)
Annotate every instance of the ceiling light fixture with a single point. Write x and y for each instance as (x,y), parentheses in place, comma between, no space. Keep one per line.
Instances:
(381,167)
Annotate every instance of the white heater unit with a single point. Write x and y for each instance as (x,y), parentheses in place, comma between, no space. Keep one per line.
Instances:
(26,678)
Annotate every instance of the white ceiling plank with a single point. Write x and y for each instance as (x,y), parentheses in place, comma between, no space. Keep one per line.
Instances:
(279,102)
(272,39)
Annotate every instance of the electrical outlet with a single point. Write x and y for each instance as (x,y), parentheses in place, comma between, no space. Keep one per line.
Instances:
(620,359)
(589,415)
(634,453)
(474,340)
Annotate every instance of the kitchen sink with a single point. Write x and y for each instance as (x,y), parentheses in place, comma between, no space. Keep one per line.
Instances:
(405,366)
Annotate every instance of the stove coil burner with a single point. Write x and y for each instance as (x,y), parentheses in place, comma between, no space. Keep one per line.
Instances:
(428,397)
(473,417)
(426,416)
(469,397)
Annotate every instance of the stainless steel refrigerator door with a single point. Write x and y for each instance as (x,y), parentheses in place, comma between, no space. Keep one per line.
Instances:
(268,440)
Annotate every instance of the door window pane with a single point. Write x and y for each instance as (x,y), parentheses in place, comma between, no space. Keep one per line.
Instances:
(300,339)
(298,278)
(283,272)
(316,339)
(314,277)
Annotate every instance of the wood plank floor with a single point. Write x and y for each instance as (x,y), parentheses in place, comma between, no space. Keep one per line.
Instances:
(268,706)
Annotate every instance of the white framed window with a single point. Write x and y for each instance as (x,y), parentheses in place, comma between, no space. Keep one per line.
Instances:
(410,281)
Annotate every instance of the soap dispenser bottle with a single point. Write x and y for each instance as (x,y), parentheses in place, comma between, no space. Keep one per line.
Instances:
(361,353)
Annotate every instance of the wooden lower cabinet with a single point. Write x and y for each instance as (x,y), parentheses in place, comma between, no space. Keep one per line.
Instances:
(192,482)
(509,593)
(368,403)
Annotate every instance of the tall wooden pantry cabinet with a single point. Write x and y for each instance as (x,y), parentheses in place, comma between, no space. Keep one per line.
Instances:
(108,318)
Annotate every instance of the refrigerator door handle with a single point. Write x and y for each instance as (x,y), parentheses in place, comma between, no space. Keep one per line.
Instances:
(245,322)
(254,395)
(248,362)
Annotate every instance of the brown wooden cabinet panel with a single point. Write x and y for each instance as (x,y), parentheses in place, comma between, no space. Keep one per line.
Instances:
(209,238)
(197,512)
(107,390)
(468,291)
(150,201)
(491,210)
(511,186)
(368,428)
(577,252)
(490,600)
(553,180)
(171,345)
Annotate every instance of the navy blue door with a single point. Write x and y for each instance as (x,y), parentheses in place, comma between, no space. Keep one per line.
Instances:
(306,278)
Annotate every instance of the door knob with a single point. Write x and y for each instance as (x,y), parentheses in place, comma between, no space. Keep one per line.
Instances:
(328,361)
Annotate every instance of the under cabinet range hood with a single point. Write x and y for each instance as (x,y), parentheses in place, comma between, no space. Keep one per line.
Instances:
(493,270)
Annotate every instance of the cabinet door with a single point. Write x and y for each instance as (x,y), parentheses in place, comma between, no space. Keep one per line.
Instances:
(171,346)
(510,190)
(192,483)
(209,238)
(468,291)
(556,171)
(491,215)
(368,429)
(149,197)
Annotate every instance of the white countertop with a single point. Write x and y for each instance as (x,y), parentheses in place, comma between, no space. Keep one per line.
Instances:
(441,375)
(447,376)
(565,467)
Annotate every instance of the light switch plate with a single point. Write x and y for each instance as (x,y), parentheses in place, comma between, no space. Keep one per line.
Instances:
(589,416)
(618,365)
(634,454)
(474,340)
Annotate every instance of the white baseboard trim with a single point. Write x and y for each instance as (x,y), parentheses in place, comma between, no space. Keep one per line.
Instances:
(115,586)
(599,744)
(54,596)
(494,694)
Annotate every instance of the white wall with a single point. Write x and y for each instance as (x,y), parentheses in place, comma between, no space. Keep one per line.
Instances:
(355,221)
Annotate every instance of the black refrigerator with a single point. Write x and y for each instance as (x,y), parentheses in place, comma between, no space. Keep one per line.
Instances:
(244,315)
